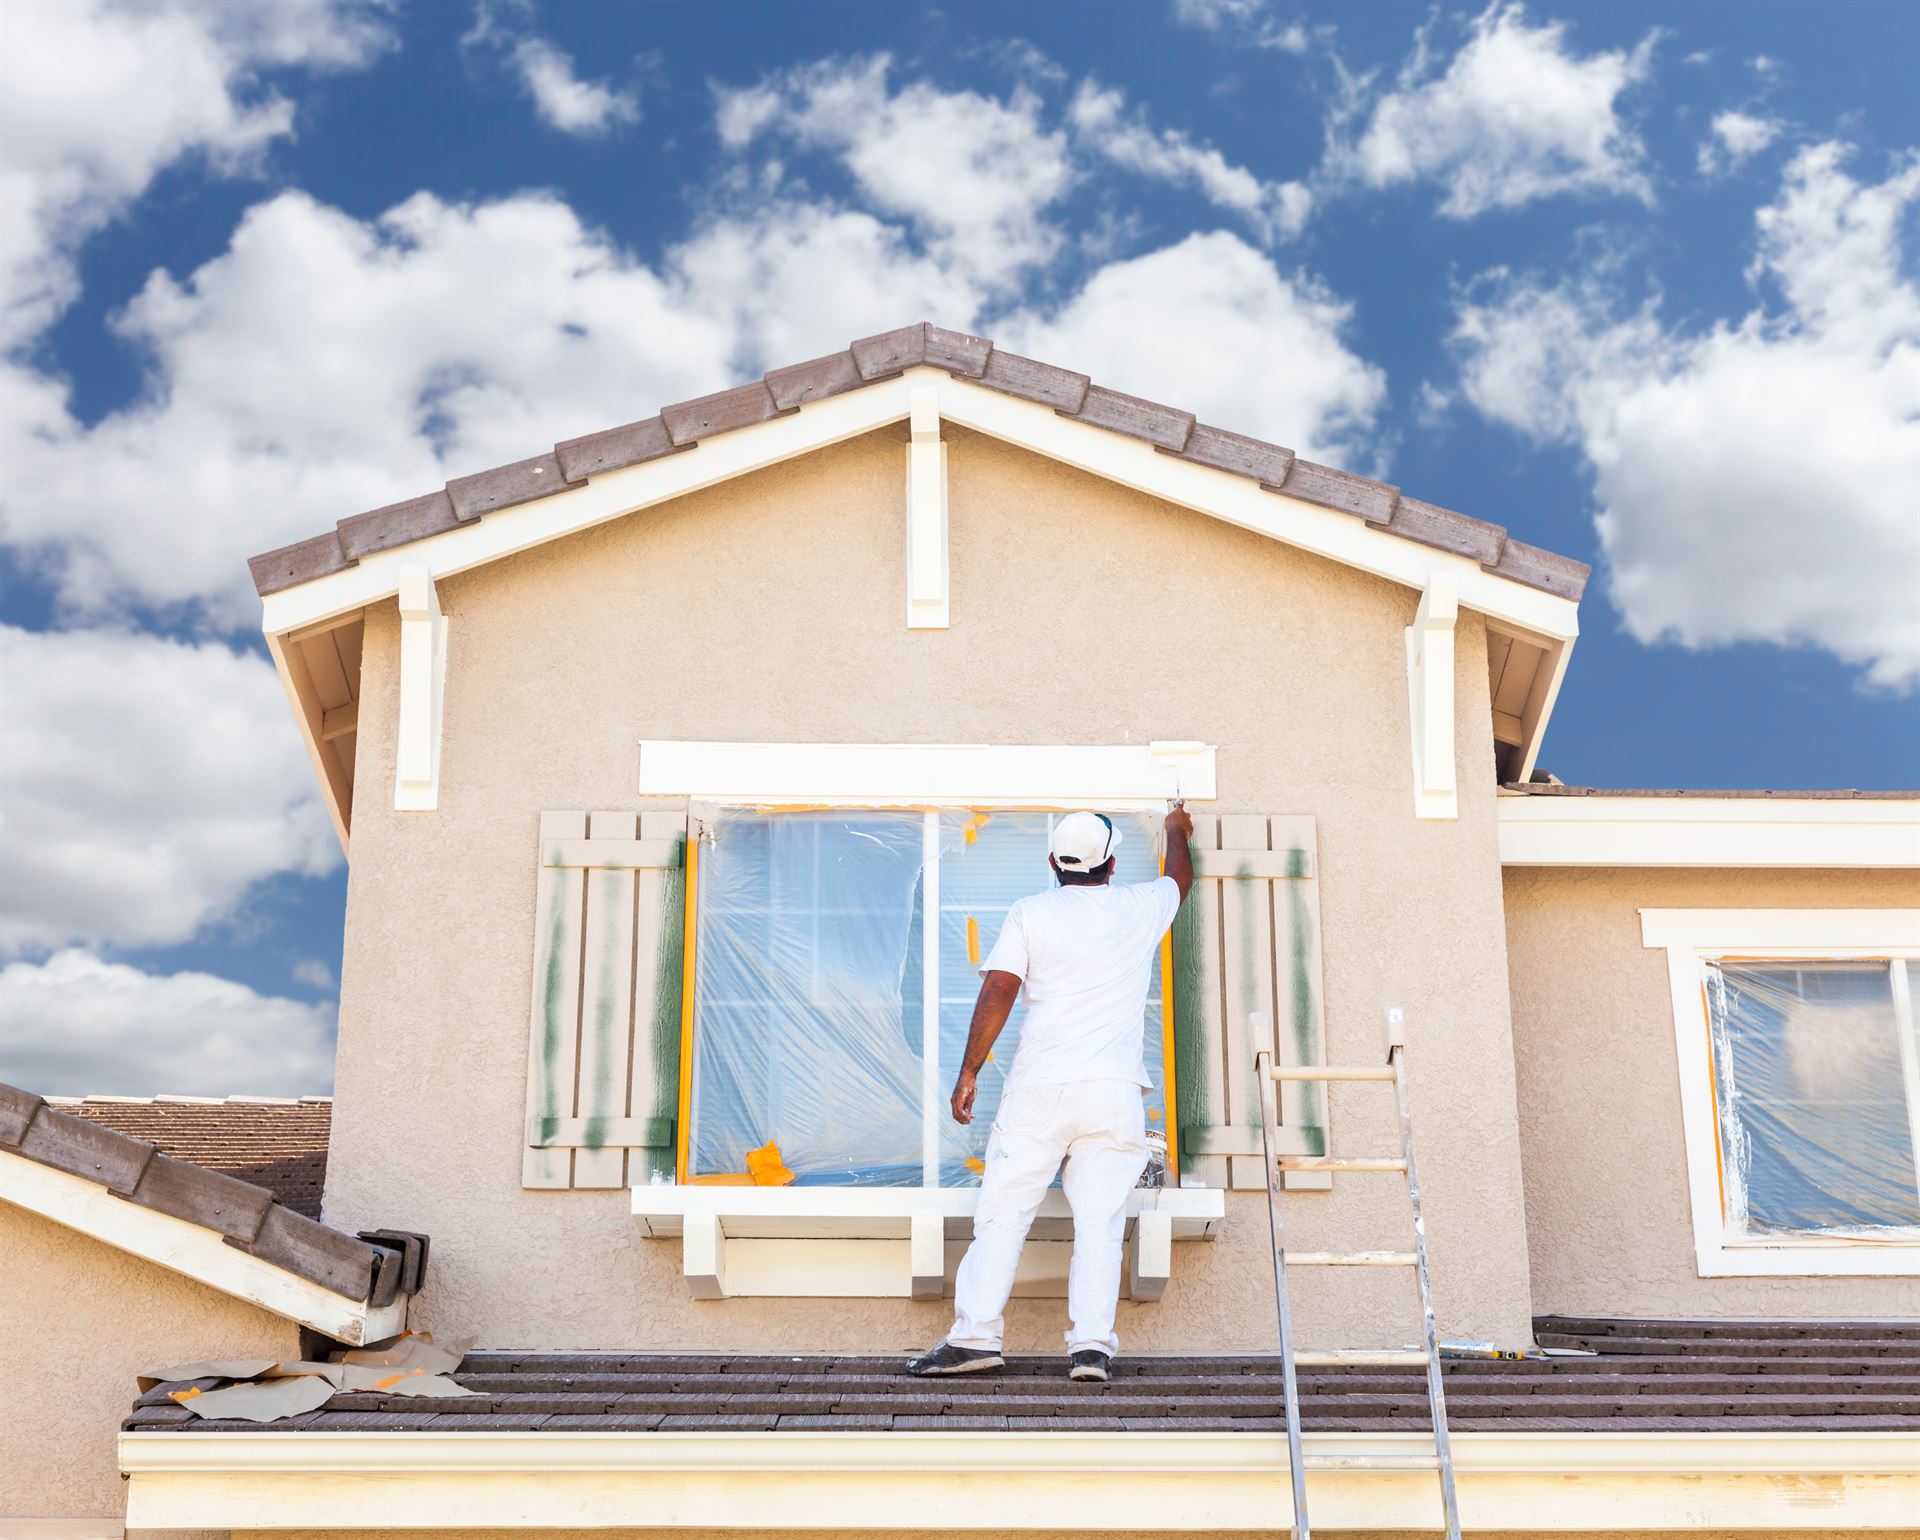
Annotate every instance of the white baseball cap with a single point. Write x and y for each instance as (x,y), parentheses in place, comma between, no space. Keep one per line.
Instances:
(1083,841)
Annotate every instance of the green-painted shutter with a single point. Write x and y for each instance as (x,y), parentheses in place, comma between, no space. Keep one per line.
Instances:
(1246,946)
(603,1051)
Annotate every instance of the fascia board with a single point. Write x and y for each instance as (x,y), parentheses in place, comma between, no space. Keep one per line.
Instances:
(1173,1481)
(191,1250)
(1726,832)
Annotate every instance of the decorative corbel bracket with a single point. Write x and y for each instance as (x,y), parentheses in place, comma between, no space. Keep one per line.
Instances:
(1430,699)
(423,679)
(926,514)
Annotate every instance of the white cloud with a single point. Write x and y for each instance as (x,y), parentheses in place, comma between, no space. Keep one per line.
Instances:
(97,97)
(1513,117)
(313,973)
(1246,21)
(80,1025)
(562,100)
(973,174)
(1734,138)
(1276,210)
(145,786)
(1755,480)
(1210,325)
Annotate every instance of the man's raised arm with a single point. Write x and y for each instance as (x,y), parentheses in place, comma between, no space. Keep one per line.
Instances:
(1179,856)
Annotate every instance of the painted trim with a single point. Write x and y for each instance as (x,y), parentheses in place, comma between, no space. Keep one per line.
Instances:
(191,1250)
(1011,1481)
(62,1529)
(1430,700)
(1128,776)
(423,688)
(1731,832)
(1692,936)
(926,513)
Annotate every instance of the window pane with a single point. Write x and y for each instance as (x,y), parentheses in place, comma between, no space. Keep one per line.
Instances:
(1813,1116)
(807,1001)
(980,877)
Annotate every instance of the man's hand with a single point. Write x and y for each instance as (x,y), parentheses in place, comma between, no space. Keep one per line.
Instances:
(964,1088)
(1179,824)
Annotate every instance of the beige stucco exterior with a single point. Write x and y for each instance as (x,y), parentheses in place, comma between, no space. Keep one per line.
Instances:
(78,1321)
(1608,1223)
(771,608)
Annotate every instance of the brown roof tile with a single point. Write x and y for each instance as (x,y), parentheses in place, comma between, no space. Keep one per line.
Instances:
(278,1145)
(881,357)
(1673,1376)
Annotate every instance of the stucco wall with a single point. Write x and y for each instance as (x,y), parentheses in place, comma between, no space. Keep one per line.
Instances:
(1608,1220)
(773,608)
(78,1321)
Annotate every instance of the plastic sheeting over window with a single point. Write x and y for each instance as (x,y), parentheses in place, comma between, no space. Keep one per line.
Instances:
(1813,1081)
(810,986)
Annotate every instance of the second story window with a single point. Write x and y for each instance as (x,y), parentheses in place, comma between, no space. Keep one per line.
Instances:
(835,969)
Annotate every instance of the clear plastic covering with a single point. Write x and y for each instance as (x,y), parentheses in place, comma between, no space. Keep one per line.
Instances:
(810,998)
(1814,1128)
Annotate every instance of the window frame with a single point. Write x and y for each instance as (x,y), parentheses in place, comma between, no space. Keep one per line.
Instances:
(932,1101)
(1693,938)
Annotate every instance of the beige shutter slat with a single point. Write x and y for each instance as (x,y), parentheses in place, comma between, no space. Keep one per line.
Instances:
(616,851)
(606,1008)
(1300,1022)
(558,910)
(1202,1086)
(1246,969)
(659,939)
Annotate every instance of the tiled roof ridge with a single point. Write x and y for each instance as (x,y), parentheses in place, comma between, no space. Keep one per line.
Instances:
(247,1216)
(166,1098)
(1544,789)
(870,359)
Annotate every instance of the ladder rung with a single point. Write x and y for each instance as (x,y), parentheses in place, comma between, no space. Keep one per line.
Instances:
(1351,1259)
(1340,1162)
(1331,1072)
(1324,1358)
(1372,1462)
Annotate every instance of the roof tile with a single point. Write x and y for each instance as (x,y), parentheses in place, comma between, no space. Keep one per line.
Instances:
(1433,525)
(104,1155)
(720,412)
(1372,500)
(597,453)
(506,486)
(797,384)
(211,1198)
(308,1249)
(1266,463)
(958,352)
(301,562)
(397,524)
(883,356)
(17,1108)
(281,1146)
(1159,425)
(1061,389)
(1546,570)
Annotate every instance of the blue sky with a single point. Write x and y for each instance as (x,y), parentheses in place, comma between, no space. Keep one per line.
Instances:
(1636,281)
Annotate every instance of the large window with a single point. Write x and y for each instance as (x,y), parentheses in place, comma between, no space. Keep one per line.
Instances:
(1800,1086)
(829,1015)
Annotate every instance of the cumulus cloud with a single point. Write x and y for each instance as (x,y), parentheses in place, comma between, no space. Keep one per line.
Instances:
(974,175)
(1244,21)
(146,785)
(97,97)
(1231,339)
(77,1024)
(1275,210)
(1514,116)
(1734,138)
(562,100)
(1755,479)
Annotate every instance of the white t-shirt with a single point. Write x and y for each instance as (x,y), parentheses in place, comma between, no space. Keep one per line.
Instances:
(1085,956)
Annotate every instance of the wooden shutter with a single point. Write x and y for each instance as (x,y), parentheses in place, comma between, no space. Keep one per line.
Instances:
(603,1049)
(1247,942)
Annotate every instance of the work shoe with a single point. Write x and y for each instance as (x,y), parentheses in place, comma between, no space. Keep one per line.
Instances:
(1090,1364)
(948,1359)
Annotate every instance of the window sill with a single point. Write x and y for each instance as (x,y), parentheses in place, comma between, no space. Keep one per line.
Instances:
(893,1242)
(1812,1257)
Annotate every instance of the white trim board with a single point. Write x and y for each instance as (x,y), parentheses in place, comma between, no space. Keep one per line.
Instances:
(191,1250)
(1692,936)
(1137,1482)
(1125,776)
(1729,832)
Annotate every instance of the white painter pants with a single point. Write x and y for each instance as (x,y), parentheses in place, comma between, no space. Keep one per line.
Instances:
(1099,1128)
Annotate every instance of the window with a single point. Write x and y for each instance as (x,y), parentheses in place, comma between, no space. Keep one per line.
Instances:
(1800,1082)
(829,1016)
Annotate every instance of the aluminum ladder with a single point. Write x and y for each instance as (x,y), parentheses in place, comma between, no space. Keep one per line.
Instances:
(1300,1464)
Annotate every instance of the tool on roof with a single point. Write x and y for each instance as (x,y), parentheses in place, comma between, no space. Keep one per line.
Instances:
(1300,1465)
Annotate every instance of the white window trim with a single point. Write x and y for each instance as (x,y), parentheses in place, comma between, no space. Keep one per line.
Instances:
(1692,937)
(1118,777)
